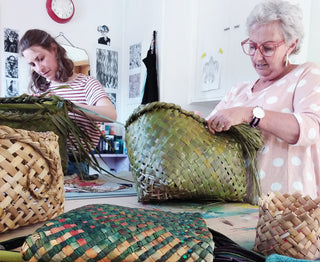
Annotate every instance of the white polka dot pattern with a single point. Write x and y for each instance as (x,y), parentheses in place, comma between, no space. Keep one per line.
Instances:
(282,166)
(278,162)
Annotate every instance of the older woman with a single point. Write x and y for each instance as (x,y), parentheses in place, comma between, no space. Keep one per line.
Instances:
(284,102)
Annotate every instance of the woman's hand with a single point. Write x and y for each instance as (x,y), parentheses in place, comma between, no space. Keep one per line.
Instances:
(222,120)
(282,125)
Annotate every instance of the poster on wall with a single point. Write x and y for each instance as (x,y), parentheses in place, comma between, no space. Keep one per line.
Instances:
(135,73)
(113,98)
(210,72)
(11,65)
(134,86)
(135,56)
(107,68)
(11,39)
(10,86)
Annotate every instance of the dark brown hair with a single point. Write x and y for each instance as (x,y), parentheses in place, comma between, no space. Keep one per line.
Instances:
(41,38)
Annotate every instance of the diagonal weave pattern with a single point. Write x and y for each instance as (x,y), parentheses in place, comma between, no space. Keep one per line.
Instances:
(288,225)
(31,177)
(174,156)
(115,233)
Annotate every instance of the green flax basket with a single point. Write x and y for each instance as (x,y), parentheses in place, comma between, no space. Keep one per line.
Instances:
(173,155)
(49,113)
(35,114)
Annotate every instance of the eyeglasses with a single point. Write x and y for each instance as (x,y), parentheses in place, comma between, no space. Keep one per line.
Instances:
(267,49)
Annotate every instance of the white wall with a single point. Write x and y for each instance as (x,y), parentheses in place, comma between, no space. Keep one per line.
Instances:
(81,31)
(314,29)
(141,18)
(133,21)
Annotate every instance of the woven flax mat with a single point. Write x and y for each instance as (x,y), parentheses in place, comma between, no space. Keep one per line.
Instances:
(115,233)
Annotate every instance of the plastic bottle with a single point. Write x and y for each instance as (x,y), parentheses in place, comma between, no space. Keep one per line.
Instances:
(118,145)
(107,130)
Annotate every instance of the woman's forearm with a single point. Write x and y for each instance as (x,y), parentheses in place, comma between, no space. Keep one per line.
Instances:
(103,107)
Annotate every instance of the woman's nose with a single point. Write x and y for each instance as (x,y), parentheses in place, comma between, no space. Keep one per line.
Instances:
(258,55)
(40,68)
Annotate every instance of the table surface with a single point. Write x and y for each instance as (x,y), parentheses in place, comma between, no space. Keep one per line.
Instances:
(235,220)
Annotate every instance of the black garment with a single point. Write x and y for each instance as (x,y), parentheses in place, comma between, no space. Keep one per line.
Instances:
(151,93)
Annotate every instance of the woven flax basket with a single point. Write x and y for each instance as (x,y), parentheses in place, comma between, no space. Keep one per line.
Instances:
(31,177)
(173,155)
(36,114)
(288,225)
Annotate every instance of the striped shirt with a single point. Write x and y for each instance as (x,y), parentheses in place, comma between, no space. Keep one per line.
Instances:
(84,90)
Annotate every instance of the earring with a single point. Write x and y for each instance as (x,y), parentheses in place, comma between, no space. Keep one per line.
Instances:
(287,59)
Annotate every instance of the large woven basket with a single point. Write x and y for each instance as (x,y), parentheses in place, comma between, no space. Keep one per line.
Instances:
(31,177)
(173,155)
(288,225)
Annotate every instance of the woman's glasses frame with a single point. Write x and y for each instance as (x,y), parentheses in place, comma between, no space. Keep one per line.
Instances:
(246,47)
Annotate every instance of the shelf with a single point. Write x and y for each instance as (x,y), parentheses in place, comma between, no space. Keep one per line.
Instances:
(116,162)
(111,155)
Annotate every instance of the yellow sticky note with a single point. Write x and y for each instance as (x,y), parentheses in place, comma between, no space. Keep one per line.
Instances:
(204,55)
(220,51)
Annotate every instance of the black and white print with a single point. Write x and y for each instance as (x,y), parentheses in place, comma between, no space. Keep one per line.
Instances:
(11,65)
(134,86)
(107,68)
(135,56)
(11,39)
(12,88)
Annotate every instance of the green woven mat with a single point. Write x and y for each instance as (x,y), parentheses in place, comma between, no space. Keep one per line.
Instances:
(174,156)
(116,233)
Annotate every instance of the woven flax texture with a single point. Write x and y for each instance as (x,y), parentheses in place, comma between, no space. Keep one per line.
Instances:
(35,114)
(105,232)
(31,177)
(288,225)
(174,156)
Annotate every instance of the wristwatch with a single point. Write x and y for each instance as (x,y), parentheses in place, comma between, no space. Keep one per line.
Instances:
(258,114)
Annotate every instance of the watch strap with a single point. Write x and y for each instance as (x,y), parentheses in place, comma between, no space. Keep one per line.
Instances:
(254,122)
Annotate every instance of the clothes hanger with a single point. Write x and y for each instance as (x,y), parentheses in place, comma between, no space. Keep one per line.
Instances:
(153,44)
(65,38)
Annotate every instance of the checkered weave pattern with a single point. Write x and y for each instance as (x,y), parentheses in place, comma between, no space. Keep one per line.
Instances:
(31,177)
(288,225)
(173,155)
(105,232)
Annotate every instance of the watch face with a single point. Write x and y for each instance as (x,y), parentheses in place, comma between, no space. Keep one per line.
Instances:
(62,8)
(258,112)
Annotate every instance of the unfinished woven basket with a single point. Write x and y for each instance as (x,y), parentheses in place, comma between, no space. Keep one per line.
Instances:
(288,225)
(173,155)
(35,114)
(50,113)
(31,177)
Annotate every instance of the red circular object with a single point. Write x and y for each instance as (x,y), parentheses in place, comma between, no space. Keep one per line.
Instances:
(64,13)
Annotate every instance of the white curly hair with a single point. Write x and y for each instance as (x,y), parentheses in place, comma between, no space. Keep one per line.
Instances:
(288,14)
